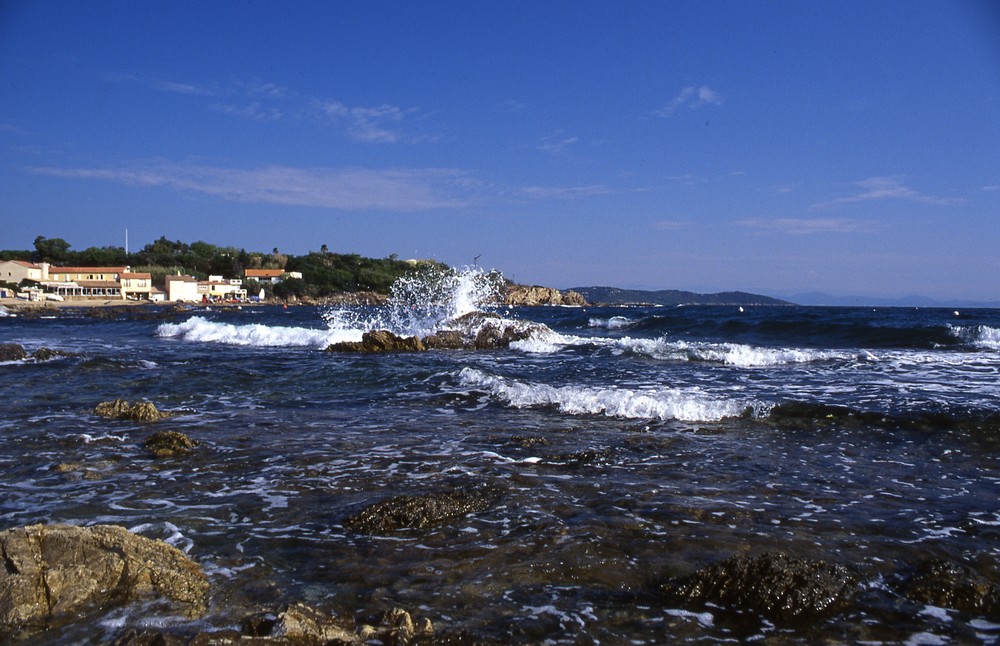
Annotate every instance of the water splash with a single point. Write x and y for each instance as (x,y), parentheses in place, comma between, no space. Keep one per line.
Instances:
(421,303)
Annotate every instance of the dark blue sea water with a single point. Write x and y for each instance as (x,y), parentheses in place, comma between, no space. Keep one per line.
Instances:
(631,446)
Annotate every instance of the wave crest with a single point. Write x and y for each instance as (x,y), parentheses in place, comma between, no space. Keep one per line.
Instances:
(664,404)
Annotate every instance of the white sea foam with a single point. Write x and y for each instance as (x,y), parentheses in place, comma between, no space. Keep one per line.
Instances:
(201,330)
(663,403)
(613,323)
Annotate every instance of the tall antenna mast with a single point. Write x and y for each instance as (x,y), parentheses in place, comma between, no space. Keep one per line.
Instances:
(126,244)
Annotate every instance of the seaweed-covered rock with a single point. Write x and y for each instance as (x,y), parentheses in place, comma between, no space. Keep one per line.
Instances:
(953,585)
(772,584)
(53,574)
(378,341)
(170,444)
(421,512)
(12,352)
(138,411)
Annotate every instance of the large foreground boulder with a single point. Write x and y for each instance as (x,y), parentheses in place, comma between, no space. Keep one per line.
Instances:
(774,585)
(52,574)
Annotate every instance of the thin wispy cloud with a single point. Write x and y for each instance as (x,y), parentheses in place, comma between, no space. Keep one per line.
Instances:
(692,98)
(556,145)
(163,85)
(407,189)
(566,192)
(805,226)
(379,124)
(264,101)
(885,188)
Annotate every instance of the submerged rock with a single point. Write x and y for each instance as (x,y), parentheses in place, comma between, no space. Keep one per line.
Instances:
(12,352)
(421,512)
(138,412)
(953,585)
(773,584)
(54,574)
(170,444)
(378,341)
(297,624)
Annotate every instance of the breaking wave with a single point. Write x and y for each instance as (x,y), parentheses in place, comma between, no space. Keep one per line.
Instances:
(691,405)
(732,354)
(983,337)
(201,330)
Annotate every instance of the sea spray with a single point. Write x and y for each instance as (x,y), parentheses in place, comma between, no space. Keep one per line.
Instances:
(422,302)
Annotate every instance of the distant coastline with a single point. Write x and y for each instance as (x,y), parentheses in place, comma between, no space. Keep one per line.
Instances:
(671,297)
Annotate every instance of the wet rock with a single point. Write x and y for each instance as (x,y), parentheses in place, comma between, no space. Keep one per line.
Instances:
(379,341)
(774,585)
(953,585)
(446,340)
(300,622)
(170,444)
(138,412)
(12,352)
(53,574)
(297,625)
(421,512)
(44,354)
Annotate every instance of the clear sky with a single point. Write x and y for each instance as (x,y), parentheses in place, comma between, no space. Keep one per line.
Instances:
(850,147)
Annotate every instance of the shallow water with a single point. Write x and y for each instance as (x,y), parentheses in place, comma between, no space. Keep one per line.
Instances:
(630,446)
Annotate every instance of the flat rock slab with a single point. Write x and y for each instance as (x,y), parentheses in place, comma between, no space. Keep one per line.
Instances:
(52,574)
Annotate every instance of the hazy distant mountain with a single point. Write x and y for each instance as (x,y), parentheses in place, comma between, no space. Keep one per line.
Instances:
(818,298)
(618,296)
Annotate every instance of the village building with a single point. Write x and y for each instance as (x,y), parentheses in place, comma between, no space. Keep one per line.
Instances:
(15,271)
(182,288)
(272,276)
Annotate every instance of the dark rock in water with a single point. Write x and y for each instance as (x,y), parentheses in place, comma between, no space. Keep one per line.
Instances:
(953,585)
(421,512)
(54,574)
(774,585)
(169,444)
(12,352)
(379,341)
(44,354)
(297,625)
(138,412)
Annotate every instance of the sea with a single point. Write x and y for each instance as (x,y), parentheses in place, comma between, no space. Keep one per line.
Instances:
(631,446)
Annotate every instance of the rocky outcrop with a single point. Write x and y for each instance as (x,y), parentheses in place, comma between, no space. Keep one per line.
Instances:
(12,352)
(136,412)
(474,331)
(774,585)
(169,444)
(53,574)
(16,352)
(421,512)
(534,295)
(379,341)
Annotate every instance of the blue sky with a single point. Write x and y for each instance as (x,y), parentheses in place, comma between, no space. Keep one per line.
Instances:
(776,147)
